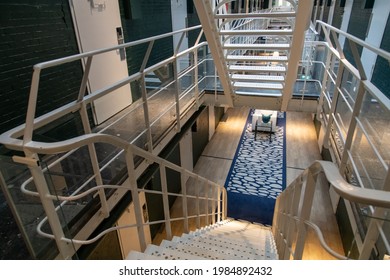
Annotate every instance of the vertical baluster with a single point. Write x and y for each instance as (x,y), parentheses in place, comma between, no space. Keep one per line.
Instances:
(219,204)
(213,204)
(135,198)
(184,179)
(305,214)
(197,205)
(164,189)
(206,202)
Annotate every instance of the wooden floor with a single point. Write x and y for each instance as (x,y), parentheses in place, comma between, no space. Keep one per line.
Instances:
(302,150)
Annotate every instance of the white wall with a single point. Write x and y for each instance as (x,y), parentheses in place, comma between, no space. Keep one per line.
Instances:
(380,14)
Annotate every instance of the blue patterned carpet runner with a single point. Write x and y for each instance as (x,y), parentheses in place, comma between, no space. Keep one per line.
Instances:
(257,174)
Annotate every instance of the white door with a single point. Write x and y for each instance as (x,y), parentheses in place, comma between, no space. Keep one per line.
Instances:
(97,23)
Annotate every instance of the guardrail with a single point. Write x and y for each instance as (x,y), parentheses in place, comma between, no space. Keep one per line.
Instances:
(294,205)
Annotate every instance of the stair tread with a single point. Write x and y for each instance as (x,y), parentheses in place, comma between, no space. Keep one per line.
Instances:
(269,241)
(190,249)
(256,15)
(257,46)
(263,94)
(135,255)
(257,32)
(211,248)
(257,58)
(257,85)
(250,236)
(169,254)
(243,77)
(257,68)
(260,245)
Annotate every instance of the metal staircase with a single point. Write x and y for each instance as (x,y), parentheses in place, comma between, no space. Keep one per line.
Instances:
(225,240)
(254,50)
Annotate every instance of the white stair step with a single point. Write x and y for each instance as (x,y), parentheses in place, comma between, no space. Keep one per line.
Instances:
(263,58)
(260,244)
(257,46)
(258,85)
(256,15)
(268,238)
(255,68)
(266,244)
(248,230)
(134,255)
(259,32)
(257,78)
(193,250)
(215,248)
(260,94)
(234,229)
(169,254)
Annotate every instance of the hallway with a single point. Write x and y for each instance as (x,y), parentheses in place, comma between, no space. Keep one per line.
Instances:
(302,150)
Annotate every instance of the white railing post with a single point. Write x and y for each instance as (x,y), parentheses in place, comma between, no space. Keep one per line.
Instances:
(304,214)
(135,197)
(206,202)
(145,97)
(293,211)
(213,205)
(197,205)
(184,179)
(164,189)
(177,94)
(219,201)
(94,161)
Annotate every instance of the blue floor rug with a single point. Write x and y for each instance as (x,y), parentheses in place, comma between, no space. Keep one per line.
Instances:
(257,174)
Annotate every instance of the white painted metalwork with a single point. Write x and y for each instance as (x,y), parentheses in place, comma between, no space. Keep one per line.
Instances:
(292,210)
(291,213)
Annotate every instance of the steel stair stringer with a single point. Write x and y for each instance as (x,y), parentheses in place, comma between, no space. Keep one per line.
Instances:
(205,13)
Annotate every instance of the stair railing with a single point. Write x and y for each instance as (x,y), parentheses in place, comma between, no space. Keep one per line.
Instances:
(211,201)
(40,182)
(294,205)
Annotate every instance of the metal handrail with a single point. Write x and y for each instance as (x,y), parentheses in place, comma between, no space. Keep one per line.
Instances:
(294,209)
(93,138)
(11,137)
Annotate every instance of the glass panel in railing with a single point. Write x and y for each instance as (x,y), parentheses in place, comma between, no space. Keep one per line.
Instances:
(343,114)
(329,89)
(158,78)
(186,81)
(162,98)
(338,140)
(334,66)
(163,122)
(129,124)
(186,99)
(63,128)
(201,75)
(378,219)
(184,62)
(375,119)
(202,53)
(369,168)
(349,87)
(61,83)
(112,163)
(28,212)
